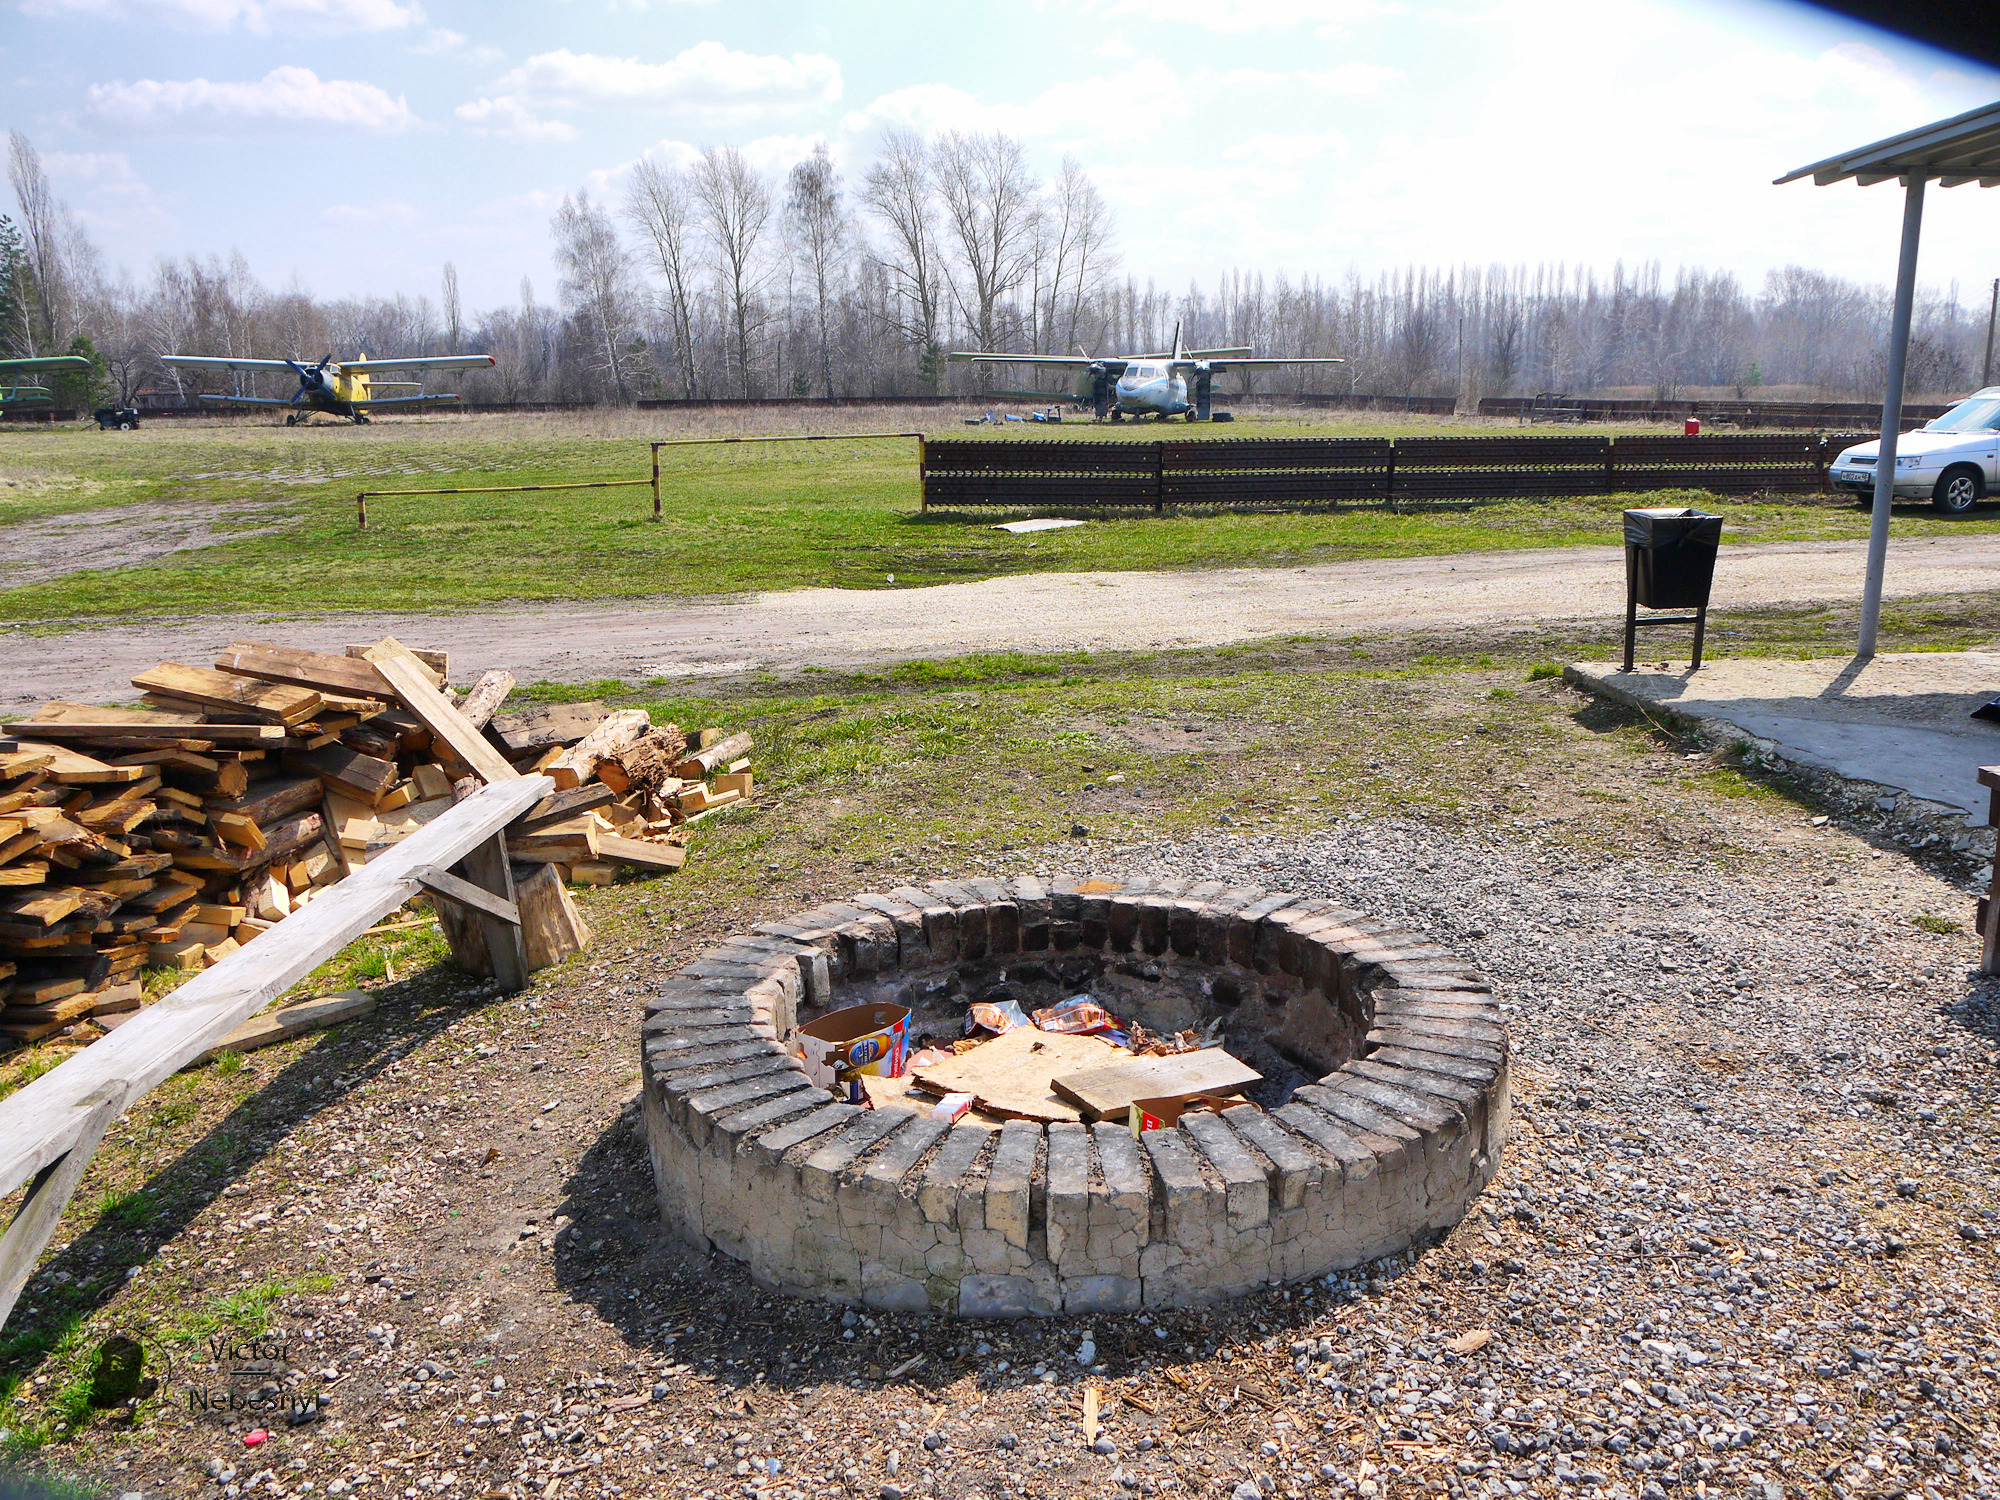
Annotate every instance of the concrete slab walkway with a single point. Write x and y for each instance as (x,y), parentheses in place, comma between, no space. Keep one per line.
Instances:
(1901,720)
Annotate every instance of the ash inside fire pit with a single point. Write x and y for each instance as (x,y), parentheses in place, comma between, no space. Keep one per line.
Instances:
(1381,1109)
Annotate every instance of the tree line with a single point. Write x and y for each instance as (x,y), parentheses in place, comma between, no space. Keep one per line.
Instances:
(713,279)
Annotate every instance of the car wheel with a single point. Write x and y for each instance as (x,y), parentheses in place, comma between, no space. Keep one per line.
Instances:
(1958,490)
(124,426)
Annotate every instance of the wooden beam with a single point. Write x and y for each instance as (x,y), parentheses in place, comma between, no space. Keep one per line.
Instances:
(412,683)
(506,948)
(167,729)
(562,807)
(639,854)
(80,1127)
(343,675)
(41,1123)
(447,886)
(276,702)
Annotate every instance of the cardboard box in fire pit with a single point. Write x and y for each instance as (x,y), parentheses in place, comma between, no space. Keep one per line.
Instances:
(873,1039)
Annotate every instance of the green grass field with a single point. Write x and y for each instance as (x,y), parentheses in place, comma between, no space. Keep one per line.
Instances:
(768,516)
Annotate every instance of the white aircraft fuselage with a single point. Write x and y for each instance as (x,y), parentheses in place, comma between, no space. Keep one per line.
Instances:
(1151,388)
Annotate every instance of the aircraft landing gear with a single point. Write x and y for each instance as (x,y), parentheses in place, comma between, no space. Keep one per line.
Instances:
(292,419)
(1117,414)
(360,419)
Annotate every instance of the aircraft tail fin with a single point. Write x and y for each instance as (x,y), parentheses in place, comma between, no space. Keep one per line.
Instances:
(1180,349)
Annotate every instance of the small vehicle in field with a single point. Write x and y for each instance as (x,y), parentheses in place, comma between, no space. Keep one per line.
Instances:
(124,418)
(1953,460)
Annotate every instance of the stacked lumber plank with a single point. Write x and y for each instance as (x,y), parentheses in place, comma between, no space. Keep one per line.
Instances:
(174,833)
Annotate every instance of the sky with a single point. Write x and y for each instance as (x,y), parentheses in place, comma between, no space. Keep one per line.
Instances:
(354,146)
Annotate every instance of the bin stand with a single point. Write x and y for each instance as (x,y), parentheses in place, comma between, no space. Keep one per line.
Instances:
(1699,619)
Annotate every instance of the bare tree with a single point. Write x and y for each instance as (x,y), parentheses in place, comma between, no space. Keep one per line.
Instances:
(1080,230)
(661,204)
(60,258)
(735,206)
(816,223)
(990,205)
(596,284)
(901,191)
(451,310)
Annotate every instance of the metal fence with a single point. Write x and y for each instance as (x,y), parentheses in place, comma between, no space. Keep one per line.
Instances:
(963,473)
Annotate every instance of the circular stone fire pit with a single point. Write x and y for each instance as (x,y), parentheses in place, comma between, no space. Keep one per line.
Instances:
(889,1207)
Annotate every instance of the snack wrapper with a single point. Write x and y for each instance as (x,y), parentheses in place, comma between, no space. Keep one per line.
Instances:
(998,1017)
(1075,1015)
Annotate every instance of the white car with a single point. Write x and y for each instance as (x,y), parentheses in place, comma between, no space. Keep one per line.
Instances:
(1953,461)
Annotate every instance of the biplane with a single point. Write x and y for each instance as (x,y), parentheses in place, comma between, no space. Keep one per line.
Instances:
(14,396)
(343,388)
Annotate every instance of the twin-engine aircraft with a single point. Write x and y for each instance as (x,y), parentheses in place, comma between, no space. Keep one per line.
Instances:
(1156,384)
(14,396)
(340,389)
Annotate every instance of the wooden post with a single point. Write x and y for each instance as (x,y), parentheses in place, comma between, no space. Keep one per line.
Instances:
(656,482)
(50,1192)
(361,510)
(487,868)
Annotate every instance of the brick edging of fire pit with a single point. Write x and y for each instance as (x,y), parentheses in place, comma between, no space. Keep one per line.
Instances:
(896,1210)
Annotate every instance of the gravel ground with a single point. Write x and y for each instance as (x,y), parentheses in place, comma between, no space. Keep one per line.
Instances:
(1742,1243)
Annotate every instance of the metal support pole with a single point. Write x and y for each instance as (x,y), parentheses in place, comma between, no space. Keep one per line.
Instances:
(1892,414)
(656,481)
(1992,316)
(1631,606)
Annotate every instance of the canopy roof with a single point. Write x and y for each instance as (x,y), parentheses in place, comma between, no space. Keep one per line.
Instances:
(1965,148)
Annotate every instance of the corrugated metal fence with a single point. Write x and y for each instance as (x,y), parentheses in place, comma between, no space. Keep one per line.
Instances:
(960,473)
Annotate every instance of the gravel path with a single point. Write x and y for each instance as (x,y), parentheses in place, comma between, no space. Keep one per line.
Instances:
(1743,1243)
(640,639)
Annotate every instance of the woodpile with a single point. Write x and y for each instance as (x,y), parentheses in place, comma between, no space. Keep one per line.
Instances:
(174,833)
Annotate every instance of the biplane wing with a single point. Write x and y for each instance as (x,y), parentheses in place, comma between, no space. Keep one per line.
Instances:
(428,362)
(226,362)
(44,362)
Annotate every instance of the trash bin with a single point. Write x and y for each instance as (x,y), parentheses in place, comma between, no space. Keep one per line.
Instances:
(1672,553)
(1669,564)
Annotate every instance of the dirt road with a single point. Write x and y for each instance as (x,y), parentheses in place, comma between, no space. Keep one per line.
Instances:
(637,640)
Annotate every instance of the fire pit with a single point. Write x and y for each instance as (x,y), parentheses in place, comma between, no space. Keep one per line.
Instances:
(1382,1111)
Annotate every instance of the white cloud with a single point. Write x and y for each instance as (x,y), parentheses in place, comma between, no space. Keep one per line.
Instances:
(261,17)
(108,195)
(1278,149)
(442,41)
(708,83)
(1328,17)
(510,119)
(283,96)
